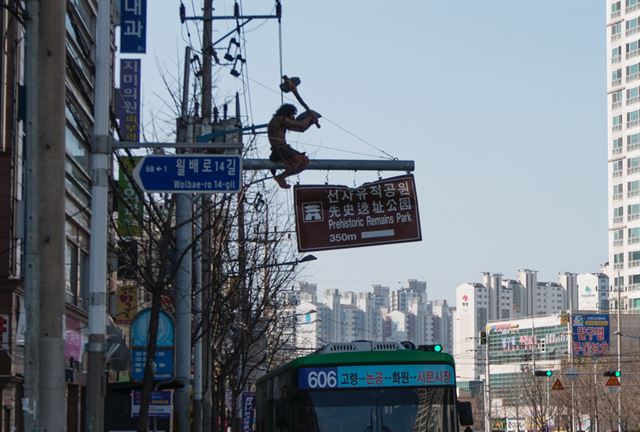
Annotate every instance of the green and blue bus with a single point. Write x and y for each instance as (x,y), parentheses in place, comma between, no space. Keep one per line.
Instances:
(363,386)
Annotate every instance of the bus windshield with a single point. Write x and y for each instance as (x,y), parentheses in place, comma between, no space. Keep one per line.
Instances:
(408,409)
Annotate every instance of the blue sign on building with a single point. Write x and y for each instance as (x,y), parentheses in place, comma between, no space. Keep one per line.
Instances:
(133,26)
(189,173)
(590,334)
(163,362)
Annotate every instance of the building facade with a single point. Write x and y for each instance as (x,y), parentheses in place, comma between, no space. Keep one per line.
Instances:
(623,150)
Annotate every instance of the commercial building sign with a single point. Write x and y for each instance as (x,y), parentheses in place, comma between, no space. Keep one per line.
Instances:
(337,217)
(590,334)
(130,206)
(163,361)
(248,411)
(130,72)
(133,26)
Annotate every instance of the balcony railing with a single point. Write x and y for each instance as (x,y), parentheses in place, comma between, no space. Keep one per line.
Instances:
(617,243)
(617,196)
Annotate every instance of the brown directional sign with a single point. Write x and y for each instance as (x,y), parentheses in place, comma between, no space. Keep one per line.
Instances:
(557,385)
(337,217)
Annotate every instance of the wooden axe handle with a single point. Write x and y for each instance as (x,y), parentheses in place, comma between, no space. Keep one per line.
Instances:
(294,90)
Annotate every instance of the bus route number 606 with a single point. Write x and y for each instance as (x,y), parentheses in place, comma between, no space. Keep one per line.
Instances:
(322,379)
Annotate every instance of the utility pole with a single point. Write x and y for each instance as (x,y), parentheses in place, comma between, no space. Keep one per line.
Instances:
(203,405)
(184,239)
(30,404)
(101,151)
(619,340)
(50,175)
(487,408)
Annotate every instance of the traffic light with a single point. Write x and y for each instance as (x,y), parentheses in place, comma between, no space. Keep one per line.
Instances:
(432,348)
(612,373)
(544,373)
(483,338)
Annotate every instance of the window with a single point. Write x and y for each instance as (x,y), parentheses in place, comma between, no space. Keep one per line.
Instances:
(633,141)
(633,118)
(634,280)
(618,237)
(76,274)
(615,9)
(633,49)
(633,165)
(616,99)
(630,5)
(632,26)
(616,30)
(616,54)
(618,212)
(633,72)
(633,188)
(634,257)
(633,212)
(616,123)
(633,235)
(617,168)
(633,95)
(618,258)
(616,77)
(617,191)
(616,146)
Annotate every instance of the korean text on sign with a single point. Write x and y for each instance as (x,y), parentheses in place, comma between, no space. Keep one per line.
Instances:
(130,99)
(133,26)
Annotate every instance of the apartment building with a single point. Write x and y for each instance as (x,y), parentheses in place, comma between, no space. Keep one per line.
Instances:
(623,148)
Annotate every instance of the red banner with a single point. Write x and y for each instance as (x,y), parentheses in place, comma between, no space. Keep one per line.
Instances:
(337,217)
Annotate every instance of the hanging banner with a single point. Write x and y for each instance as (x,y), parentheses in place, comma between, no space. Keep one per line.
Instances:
(133,26)
(337,217)
(130,206)
(590,334)
(248,411)
(130,71)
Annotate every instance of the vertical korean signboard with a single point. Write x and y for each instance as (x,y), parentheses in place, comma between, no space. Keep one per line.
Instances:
(336,217)
(133,26)
(130,72)
(590,334)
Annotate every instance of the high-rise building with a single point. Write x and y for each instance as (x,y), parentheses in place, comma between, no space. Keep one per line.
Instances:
(471,317)
(623,152)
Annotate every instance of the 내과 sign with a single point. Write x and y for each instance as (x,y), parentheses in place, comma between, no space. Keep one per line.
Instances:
(336,216)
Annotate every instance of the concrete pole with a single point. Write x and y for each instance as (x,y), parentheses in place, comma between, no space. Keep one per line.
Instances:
(101,152)
(184,239)
(51,216)
(30,404)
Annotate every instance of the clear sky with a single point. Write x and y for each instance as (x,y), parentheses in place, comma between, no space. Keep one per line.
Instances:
(501,104)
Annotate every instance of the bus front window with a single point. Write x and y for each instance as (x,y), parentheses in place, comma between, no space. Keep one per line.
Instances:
(425,409)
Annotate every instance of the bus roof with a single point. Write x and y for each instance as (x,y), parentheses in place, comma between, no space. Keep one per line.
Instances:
(363,358)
